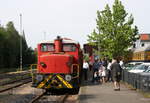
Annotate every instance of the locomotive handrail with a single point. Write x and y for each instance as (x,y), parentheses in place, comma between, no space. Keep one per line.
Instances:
(77,70)
(31,68)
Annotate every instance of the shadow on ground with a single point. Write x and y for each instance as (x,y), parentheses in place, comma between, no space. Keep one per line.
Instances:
(90,83)
(83,97)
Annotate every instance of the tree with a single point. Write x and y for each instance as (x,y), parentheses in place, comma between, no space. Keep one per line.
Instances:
(28,55)
(12,45)
(10,48)
(2,45)
(114,32)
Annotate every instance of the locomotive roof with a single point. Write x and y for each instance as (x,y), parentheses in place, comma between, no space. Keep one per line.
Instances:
(147,48)
(64,40)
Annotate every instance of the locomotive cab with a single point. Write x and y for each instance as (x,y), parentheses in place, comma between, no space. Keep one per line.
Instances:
(59,65)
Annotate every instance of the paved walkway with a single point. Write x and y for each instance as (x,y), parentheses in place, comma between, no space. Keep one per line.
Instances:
(104,93)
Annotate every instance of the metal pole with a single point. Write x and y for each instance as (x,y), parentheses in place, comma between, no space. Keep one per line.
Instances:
(20,42)
(44,35)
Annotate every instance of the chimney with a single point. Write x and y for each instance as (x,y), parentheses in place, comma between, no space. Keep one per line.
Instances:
(58,44)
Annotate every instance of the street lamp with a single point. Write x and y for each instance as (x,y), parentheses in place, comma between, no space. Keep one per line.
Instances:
(20,42)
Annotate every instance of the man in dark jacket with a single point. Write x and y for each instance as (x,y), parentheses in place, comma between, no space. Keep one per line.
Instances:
(95,68)
(116,74)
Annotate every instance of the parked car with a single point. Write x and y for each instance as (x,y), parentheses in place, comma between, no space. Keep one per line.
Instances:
(131,65)
(140,68)
(148,70)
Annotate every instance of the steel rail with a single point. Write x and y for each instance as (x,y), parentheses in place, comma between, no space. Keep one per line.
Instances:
(19,80)
(12,75)
(59,100)
(7,75)
(63,98)
(37,97)
(9,88)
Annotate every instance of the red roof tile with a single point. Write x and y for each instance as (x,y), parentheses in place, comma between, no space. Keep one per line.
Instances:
(144,37)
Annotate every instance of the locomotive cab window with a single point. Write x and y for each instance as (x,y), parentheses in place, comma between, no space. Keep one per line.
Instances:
(69,47)
(47,47)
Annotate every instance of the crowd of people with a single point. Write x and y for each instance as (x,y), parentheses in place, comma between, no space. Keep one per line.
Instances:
(105,70)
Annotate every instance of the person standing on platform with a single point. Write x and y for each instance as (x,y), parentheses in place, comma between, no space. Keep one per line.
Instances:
(116,74)
(121,63)
(105,62)
(103,73)
(85,69)
(95,68)
(109,77)
(90,65)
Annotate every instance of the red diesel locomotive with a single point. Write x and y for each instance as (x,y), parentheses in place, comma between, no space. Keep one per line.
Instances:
(59,65)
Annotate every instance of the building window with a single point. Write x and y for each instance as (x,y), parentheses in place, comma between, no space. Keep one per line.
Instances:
(142,45)
(134,45)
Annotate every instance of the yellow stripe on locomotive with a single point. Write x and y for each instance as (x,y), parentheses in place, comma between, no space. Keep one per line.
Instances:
(55,81)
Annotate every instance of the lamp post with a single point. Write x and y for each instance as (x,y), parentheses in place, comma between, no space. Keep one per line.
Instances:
(44,35)
(20,42)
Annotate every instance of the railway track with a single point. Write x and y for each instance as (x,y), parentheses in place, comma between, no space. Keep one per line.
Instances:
(12,74)
(59,99)
(63,98)
(15,81)
(15,74)
(15,86)
(7,79)
(37,97)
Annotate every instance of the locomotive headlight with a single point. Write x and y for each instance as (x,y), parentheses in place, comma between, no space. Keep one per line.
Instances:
(68,77)
(39,78)
(43,64)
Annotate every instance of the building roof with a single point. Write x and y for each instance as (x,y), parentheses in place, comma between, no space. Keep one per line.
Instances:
(145,37)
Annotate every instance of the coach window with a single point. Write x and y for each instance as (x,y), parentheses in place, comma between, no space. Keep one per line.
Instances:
(47,47)
(69,47)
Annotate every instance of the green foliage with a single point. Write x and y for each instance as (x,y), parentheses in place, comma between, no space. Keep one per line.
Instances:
(114,32)
(86,57)
(10,48)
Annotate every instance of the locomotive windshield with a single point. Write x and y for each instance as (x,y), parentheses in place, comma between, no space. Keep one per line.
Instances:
(69,47)
(47,47)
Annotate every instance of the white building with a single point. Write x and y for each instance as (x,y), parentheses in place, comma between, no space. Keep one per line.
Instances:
(144,41)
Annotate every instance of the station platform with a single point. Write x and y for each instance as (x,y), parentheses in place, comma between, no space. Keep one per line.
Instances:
(104,93)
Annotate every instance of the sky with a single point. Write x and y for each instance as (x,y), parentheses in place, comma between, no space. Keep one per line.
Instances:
(75,19)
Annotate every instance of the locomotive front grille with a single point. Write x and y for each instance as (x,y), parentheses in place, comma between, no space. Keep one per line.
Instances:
(51,81)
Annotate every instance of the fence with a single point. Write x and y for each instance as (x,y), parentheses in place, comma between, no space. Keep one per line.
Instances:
(139,81)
